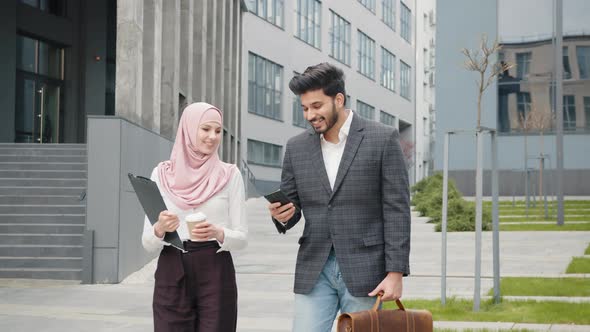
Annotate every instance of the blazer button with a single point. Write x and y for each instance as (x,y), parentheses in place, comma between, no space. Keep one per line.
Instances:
(329,206)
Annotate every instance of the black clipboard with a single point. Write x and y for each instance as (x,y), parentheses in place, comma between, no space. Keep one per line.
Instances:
(152,202)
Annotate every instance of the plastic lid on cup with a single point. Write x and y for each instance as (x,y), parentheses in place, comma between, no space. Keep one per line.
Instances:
(196,217)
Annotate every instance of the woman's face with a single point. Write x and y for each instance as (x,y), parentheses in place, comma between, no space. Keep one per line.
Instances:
(209,135)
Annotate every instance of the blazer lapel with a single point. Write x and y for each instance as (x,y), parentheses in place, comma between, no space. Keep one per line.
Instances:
(353,141)
(317,159)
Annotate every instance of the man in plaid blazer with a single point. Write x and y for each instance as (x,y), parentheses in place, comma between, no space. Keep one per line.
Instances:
(347,175)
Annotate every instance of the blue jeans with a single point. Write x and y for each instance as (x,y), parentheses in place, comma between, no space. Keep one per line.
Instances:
(316,311)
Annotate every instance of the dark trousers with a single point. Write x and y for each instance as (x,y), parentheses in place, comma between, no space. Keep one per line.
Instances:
(195,291)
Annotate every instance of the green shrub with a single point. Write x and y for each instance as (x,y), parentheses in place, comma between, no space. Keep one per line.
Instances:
(427,199)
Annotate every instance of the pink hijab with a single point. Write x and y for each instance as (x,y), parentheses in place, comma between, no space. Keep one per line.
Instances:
(190,177)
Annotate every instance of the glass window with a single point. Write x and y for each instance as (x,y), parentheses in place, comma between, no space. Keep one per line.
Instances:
(38,57)
(388,16)
(339,38)
(55,7)
(406,23)
(365,110)
(387,119)
(309,22)
(523,62)
(264,87)
(587,111)
(583,55)
(265,154)
(567,71)
(405,80)
(569,112)
(270,10)
(523,107)
(387,69)
(366,55)
(369,4)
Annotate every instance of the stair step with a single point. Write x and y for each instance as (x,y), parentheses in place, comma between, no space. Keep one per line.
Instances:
(42,218)
(50,174)
(40,199)
(44,166)
(42,182)
(39,273)
(42,158)
(41,262)
(37,190)
(42,239)
(12,151)
(14,228)
(39,209)
(44,145)
(39,250)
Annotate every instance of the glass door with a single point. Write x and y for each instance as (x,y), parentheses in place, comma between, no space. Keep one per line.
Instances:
(38,111)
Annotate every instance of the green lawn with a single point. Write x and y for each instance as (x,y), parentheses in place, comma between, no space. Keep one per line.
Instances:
(579,265)
(587,252)
(506,311)
(521,203)
(545,227)
(542,218)
(513,286)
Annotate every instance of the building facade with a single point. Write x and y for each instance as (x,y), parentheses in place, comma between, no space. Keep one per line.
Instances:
(142,60)
(425,88)
(521,105)
(372,41)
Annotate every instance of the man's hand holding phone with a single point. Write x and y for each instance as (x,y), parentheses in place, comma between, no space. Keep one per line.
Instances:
(282,212)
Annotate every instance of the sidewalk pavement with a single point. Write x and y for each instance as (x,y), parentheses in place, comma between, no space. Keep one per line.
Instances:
(265,280)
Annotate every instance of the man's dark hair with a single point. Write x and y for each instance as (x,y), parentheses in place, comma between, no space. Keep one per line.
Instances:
(323,76)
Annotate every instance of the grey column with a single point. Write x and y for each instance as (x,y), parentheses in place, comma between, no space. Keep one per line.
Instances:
(211,51)
(7,69)
(152,62)
(199,50)
(129,60)
(237,45)
(95,46)
(170,67)
(186,49)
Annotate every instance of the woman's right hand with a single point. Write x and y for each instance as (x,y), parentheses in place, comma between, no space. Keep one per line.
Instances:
(167,222)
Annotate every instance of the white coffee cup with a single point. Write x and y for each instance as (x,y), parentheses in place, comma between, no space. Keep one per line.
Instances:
(192,220)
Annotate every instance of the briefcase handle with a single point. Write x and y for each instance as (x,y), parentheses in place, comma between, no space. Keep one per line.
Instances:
(378,302)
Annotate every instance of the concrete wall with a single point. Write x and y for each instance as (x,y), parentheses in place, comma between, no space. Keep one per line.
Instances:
(173,53)
(117,147)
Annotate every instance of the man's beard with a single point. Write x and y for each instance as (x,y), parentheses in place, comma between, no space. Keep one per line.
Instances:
(331,123)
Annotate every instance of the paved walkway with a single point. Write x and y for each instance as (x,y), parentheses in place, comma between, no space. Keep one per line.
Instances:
(265,278)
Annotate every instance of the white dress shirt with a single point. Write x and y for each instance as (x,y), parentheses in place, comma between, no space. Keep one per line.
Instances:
(226,209)
(332,153)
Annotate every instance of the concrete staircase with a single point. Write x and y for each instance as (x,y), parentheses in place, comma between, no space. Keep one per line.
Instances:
(42,210)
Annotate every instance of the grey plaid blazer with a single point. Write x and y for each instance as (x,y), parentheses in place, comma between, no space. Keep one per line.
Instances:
(366,218)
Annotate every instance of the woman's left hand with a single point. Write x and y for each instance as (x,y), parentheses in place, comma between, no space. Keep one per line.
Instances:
(205,231)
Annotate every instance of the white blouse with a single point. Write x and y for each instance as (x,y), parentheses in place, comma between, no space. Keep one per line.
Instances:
(226,209)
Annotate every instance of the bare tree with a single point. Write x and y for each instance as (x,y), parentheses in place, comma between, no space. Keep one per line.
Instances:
(479,61)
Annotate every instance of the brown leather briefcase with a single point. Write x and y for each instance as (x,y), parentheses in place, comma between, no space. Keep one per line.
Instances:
(377,320)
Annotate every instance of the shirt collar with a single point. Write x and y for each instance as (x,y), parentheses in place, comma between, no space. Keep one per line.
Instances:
(344,130)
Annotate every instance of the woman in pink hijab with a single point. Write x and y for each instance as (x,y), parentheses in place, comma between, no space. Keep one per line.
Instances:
(196,290)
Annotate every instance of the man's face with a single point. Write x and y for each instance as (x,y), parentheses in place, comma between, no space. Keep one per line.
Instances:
(320,110)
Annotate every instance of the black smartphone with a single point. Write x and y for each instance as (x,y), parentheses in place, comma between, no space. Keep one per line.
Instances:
(279,196)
